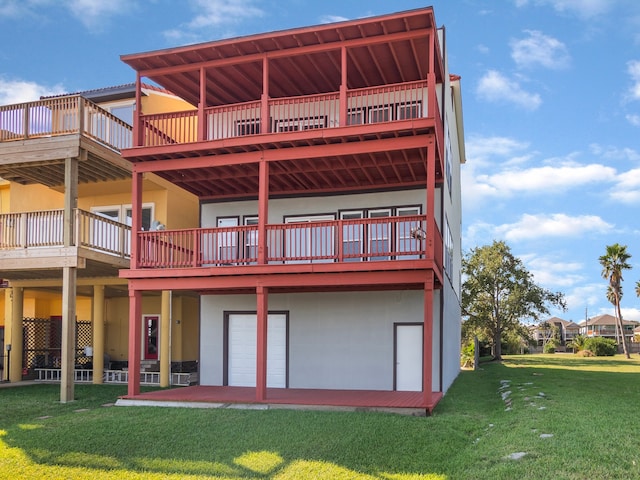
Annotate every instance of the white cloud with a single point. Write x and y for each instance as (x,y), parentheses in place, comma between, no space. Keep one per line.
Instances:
(585,9)
(495,87)
(615,153)
(19,91)
(630,313)
(332,19)
(633,69)
(540,49)
(633,119)
(545,179)
(627,189)
(485,149)
(553,272)
(213,13)
(553,225)
(93,14)
(583,296)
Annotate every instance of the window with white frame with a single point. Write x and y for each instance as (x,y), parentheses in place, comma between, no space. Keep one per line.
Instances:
(448,247)
(379,235)
(410,235)
(251,239)
(352,236)
(309,241)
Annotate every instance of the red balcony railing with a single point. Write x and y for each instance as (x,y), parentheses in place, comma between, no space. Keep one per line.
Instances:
(63,116)
(386,103)
(46,229)
(356,240)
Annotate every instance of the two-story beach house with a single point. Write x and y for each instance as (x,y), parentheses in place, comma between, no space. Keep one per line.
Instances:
(326,161)
(65,233)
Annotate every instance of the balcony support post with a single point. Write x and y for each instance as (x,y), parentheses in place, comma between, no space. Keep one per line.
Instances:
(202,124)
(343,87)
(137,123)
(68,360)
(427,334)
(135,339)
(136,214)
(14,336)
(264,107)
(263,211)
(262,312)
(98,334)
(431,196)
(165,336)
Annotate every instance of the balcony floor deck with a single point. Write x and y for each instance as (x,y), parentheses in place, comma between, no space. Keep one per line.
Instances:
(238,397)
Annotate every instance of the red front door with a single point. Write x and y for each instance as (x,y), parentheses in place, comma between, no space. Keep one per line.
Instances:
(151,324)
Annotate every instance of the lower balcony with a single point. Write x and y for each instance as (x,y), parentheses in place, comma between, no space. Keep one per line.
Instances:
(348,242)
(32,241)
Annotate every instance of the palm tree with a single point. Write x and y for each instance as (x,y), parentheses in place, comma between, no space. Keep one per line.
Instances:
(638,288)
(613,263)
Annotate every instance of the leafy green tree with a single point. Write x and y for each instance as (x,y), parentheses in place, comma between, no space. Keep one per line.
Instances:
(614,262)
(498,293)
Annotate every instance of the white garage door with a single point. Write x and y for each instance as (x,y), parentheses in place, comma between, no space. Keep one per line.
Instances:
(242,350)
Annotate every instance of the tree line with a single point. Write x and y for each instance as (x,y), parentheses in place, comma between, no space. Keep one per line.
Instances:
(499,294)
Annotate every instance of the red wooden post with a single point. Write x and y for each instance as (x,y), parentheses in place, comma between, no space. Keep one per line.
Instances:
(202,124)
(264,107)
(137,123)
(427,334)
(343,87)
(135,337)
(262,295)
(263,210)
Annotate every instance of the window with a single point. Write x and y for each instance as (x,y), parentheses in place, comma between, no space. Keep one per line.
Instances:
(409,110)
(227,241)
(106,235)
(448,247)
(247,127)
(251,240)
(310,241)
(352,234)
(410,235)
(355,116)
(380,114)
(379,235)
(295,124)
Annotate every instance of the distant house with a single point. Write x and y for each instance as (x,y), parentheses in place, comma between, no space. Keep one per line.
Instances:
(605,326)
(567,330)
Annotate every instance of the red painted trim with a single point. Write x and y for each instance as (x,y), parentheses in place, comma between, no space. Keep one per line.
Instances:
(202,104)
(297,51)
(275,155)
(262,313)
(414,278)
(135,339)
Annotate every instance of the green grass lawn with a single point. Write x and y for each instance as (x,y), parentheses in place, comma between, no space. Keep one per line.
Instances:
(572,417)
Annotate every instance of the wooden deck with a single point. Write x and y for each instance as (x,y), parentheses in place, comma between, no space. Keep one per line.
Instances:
(412,402)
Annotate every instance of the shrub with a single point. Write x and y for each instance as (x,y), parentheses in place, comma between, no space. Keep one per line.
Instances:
(584,353)
(549,347)
(601,347)
(467,356)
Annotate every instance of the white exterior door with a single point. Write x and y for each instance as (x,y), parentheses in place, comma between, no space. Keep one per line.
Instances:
(408,358)
(242,350)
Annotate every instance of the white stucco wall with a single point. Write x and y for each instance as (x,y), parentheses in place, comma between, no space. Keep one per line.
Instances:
(336,340)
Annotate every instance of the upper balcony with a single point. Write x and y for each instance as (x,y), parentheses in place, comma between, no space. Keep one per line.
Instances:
(37,137)
(407,101)
(32,244)
(355,245)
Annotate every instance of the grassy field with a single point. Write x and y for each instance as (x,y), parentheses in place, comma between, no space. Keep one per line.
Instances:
(566,417)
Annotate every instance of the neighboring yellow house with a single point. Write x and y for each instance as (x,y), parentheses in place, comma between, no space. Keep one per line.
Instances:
(65,212)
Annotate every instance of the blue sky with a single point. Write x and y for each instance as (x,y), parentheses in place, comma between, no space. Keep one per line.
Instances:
(551,99)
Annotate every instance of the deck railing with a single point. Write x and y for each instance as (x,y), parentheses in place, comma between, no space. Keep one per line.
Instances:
(385,103)
(54,375)
(353,240)
(46,229)
(63,116)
